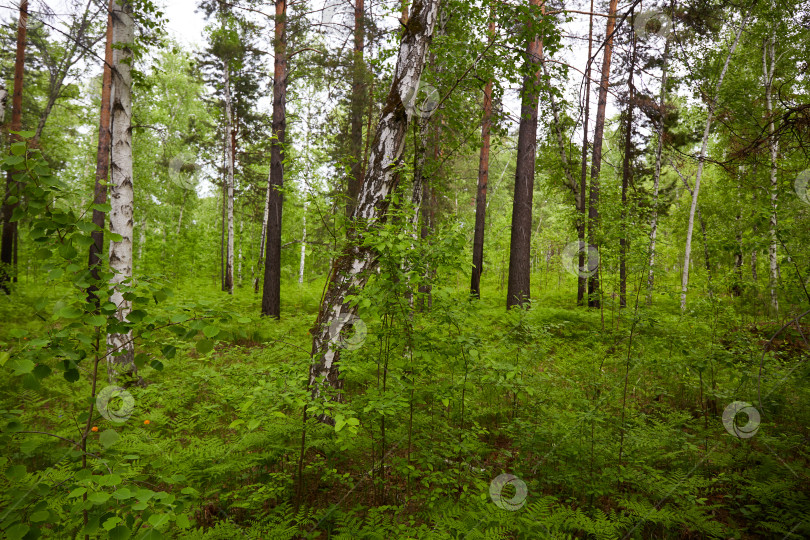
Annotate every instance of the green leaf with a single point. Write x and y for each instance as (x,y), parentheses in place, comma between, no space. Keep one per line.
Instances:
(158,520)
(236,423)
(78,492)
(42,515)
(69,312)
(97,320)
(16,472)
(253,424)
(71,375)
(205,346)
(105,207)
(121,532)
(211,331)
(179,317)
(111,523)
(182,521)
(122,493)
(108,438)
(24,366)
(98,497)
(17,531)
(169,351)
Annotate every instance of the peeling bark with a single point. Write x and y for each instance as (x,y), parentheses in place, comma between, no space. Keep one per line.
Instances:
(121,188)
(351,269)
(768,68)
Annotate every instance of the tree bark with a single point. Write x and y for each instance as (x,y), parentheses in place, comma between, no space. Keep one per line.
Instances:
(768,68)
(519,284)
(9,237)
(483,179)
(357,106)
(230,156)
(701,161)
(596,162)
(102,163)
(271,297)
(657,175)
(303,248)
(352,268)
(121,188)
(582,210)
(626,173)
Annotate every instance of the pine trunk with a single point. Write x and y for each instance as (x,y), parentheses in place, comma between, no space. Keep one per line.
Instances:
(352,268)
(626,174)
(519,284)
(8,241)
(357,106)
(120,346)
(596,162)
(102,163)
(483,179)
(271,298)
(582,210)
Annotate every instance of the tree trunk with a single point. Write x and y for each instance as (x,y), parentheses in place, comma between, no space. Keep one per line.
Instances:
(768,68)
(357,105)
(239,263)
(701,161)
(596,162)
(9,237)
(352,268)
(271,297)
(260,263)
(303,249)
(626,173)
(582,279)
(121,190)
(102,163)
(483,179)
(519,284)
(230,153)
(657,175)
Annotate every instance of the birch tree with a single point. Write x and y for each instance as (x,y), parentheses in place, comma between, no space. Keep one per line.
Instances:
(351,269)
(121,348)
(768,68)
(701,161)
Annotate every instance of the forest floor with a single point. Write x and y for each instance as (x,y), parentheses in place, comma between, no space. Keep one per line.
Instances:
(611,424)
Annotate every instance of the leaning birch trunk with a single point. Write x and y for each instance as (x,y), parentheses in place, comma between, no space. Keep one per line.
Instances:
(120,347)
(229,178)
(351,269)
(657,176)
(701,160)
(769,53)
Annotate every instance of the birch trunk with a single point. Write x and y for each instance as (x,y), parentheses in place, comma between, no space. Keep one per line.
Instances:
(582,279)
(239,264)
(229,179)
(657,175)
(519,284)
(768,68)
(596,162)
(8,241)
(271,297)
(483,179)
(303,249)
(352,268)
(102,163)
(357,105)
(701,161)
(120,363)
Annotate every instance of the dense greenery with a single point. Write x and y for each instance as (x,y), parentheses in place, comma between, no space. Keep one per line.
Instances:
(644,421)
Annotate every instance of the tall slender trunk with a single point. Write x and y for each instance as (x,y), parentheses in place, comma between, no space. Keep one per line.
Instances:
(303,248)
(239,263)
(352,268)
(271,297)
(357,106)
(519,284)
(659,150)
(8,240)
(230,152)
(266,215)
(3,101)
(768,68)
(102,163)
(736,287)
(596,163)
(701,161)
(121,362)
(626,173)
(582,210)
(483,179)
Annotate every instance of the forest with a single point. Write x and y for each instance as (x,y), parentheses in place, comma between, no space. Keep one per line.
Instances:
(383,269)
